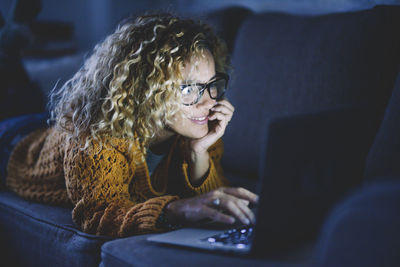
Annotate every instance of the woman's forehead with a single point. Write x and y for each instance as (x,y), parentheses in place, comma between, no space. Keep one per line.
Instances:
(200,68)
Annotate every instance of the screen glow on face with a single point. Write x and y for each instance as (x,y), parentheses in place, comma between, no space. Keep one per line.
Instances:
(192,93)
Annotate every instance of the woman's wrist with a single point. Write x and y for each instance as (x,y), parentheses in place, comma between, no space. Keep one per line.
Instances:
(168,218)
(199,165)
(199,158)
(170,213)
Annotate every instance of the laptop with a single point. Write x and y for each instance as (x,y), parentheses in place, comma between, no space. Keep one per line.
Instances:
(303,171)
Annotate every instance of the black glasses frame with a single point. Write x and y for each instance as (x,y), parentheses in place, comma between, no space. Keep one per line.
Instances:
(219,76)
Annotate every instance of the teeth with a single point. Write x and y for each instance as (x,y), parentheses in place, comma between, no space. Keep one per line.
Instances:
(199,119)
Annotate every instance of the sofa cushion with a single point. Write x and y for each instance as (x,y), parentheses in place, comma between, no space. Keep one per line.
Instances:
(384,156)
(363,230)
(53,72)
(285,64)
(34,234)
(137,251)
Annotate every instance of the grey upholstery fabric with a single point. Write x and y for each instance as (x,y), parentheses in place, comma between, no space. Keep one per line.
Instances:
(284,64)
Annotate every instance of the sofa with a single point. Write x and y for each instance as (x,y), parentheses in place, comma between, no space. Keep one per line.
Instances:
(338,76)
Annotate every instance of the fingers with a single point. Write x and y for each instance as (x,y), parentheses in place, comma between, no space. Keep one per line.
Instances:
(223,205)
(246,211)
(220,126)
(237,208)
(225,108)
(226,103)
(224,111)
(232,205)
(196,209)
(241,193)
(217,216)
(219,117)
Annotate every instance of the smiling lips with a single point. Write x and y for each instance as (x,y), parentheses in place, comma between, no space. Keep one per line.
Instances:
(200,120)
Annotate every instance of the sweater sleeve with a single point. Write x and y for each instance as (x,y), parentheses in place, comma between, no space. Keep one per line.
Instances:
(102,187)
(35,168)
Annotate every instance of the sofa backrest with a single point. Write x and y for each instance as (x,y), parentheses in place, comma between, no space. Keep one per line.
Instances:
(384,157)
(285,64)
(226,22)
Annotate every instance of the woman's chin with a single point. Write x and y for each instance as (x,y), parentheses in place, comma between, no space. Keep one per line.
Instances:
(200,133)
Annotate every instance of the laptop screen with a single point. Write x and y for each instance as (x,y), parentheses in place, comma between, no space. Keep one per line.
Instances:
(307,164)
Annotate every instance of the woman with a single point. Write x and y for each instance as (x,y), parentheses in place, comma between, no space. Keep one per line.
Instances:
(136,143)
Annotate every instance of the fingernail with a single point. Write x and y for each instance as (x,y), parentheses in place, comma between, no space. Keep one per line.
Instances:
(232,220)
(246,221)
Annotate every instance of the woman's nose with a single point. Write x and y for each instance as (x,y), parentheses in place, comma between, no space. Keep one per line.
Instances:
(206,100)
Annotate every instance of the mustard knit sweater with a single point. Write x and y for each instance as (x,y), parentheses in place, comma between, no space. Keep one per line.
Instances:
(109,186)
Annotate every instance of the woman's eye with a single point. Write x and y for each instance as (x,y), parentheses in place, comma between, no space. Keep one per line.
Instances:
(188,90)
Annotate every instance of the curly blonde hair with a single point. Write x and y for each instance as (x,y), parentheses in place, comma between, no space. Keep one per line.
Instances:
(129,86)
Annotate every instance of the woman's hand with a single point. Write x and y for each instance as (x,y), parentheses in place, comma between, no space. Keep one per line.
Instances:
(220,116)
(224,205)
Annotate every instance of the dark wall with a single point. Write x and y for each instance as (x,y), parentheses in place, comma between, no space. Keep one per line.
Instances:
(94,19)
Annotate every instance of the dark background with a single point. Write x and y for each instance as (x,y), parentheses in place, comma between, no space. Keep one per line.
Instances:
(91,20)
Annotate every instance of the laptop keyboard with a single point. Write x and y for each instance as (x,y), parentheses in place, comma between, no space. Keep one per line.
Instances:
(239,237)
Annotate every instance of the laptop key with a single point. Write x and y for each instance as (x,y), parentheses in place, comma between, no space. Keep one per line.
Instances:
(239,237)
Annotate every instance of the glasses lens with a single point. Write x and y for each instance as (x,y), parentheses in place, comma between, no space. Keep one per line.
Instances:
(217,88)
(189,94)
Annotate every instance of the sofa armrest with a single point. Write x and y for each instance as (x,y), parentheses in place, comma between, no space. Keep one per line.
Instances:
(363,230)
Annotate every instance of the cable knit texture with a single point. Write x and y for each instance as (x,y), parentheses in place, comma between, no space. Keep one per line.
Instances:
(109,186)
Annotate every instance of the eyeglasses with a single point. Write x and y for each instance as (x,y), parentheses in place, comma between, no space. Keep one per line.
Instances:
(192,93)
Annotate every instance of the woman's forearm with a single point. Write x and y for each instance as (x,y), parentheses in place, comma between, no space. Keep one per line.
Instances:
(199,163)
